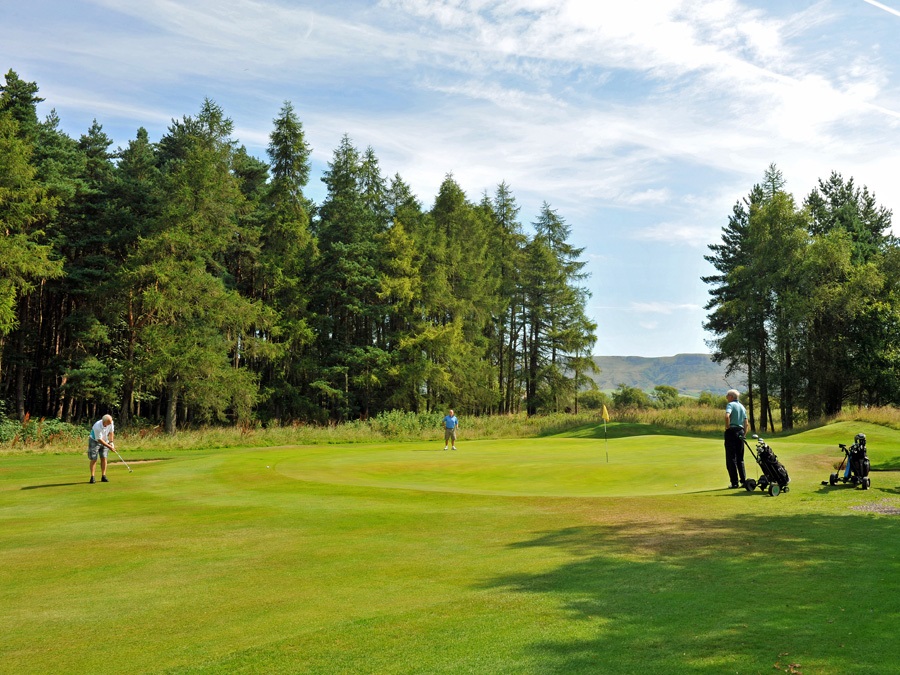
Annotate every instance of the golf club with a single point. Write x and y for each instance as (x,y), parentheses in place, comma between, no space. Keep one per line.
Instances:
(122,460)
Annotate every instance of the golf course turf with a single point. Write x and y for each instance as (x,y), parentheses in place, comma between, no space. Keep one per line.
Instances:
(525,556)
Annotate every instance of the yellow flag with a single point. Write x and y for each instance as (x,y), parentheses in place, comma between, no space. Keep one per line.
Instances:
(605,413)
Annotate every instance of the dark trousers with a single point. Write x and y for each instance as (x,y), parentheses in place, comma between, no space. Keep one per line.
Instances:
(734,454)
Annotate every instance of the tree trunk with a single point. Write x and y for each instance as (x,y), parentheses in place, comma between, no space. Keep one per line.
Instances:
(171,410)
(750,408)
(787,393)
(763,384)
(20,377)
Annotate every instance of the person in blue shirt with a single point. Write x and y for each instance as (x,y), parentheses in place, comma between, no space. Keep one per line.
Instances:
(736,425)
(451,424)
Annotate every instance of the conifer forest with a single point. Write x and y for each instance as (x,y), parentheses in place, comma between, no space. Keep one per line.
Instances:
(184,281)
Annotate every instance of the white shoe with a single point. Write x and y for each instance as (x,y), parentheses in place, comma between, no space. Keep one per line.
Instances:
(445,447)
(454,447)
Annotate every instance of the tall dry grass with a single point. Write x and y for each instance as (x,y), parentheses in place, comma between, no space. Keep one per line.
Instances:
(886,416)
(689,419)
(394,427)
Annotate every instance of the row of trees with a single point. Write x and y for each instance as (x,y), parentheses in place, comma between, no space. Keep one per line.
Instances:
(806,299)
(186,280)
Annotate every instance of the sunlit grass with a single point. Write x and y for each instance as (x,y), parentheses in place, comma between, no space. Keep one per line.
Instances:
(507,556)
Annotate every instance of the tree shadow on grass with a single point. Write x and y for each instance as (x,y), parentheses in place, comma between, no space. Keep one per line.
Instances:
(747,594)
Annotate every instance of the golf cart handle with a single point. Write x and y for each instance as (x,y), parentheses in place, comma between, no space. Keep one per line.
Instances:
(842,446)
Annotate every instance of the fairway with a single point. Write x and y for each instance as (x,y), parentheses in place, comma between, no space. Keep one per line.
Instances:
(546,555)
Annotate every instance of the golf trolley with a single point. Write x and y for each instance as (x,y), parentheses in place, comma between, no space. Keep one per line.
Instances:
(856,458)
(775,477)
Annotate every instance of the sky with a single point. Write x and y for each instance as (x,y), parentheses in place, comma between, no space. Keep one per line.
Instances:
(640,123)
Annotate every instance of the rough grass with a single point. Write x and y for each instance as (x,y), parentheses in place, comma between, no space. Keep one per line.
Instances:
(42,436)
(393,427)
(507,556)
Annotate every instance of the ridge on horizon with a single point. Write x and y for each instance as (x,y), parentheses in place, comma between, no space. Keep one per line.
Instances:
(642,356)
(689,373)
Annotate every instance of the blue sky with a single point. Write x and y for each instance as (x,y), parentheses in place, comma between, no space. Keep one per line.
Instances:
(640,123)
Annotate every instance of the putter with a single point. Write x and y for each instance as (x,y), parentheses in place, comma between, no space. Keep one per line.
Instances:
(122,460)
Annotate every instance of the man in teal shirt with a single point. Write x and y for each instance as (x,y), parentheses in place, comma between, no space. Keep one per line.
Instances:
(450,426)
(736,425)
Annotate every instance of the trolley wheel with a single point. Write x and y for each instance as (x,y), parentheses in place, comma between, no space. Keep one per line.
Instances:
(833,479)
(774,490)
(785,489)
(763,483)
(866,482)
(749,485)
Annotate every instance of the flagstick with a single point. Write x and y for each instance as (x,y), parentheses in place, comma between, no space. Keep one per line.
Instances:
(605,441)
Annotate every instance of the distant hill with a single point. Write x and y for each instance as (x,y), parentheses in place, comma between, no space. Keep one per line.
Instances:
(688,373)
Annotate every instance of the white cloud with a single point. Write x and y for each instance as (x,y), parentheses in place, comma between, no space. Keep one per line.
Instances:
(618,114)
(697,236)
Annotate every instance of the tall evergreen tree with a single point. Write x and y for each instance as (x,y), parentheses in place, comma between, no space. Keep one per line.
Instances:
(137,199)
(287,258)
(59,171)
(508,242)
(848,221)
(25,257)
(554,310)
(460,289)
(346,283)
(193,321)
(732,295)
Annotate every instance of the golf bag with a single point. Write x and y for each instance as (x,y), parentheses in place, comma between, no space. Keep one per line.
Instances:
(774,477)
(856,458)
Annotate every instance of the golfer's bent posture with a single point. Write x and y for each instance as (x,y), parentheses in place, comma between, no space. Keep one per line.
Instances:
(736,425)
(450,426)
(100,442)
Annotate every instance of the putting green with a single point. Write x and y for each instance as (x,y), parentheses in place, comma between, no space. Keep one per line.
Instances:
(561,467)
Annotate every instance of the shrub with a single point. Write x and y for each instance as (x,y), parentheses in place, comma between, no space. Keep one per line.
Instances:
(39,432)
(630,397)
(593,400)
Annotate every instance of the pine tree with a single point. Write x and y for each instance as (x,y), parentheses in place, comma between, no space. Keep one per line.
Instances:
(192,322)
(345,300)
(286,260)
(25,258)
(554,311)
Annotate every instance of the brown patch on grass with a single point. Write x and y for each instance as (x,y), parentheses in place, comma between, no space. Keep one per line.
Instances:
(885,507)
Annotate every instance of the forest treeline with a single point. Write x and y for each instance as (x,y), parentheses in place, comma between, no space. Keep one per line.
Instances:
(806,300)
(185,281)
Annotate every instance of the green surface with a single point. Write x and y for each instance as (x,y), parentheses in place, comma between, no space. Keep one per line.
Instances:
(505,556)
